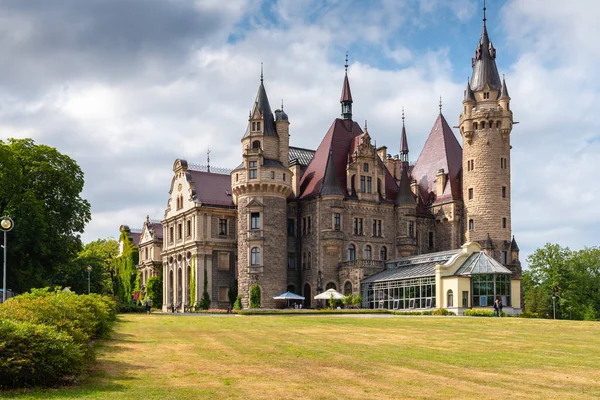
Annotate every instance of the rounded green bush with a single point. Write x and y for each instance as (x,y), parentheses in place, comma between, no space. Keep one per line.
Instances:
(37,355)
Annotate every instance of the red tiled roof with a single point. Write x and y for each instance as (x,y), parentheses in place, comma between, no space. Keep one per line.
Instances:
(441,150)
(343,137)
(212,189)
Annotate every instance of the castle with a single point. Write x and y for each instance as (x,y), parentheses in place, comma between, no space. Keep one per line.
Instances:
(348,215)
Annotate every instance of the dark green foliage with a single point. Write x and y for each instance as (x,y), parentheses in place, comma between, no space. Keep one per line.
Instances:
(237,305)
(482,312)
(40,189)
(352,301)
(233,292)
(255,296)
(573,277)
(154,290)
(45,335)
(123,269)
(36,354)
(204,302)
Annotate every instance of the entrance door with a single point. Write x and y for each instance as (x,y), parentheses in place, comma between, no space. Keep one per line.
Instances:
(307,295)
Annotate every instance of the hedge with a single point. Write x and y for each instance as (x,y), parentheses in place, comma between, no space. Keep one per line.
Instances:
(45,336)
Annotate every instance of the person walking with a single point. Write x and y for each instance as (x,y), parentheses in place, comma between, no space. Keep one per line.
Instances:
(496,308)
(500,307)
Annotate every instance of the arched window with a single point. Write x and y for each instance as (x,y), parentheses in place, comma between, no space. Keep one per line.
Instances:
(348,288)
(450,298)
(383,253)
(367,252)
(256,144)
(309,264)
(255,256)
(475,125)
(330,285)
(351,252)
(482,124)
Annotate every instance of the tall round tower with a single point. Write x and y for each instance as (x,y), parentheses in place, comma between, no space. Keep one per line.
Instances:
(485,126)
(261,186)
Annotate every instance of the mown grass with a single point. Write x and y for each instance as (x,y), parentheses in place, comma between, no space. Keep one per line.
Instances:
(345,357)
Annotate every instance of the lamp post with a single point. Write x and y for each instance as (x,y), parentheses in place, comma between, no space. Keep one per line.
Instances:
(554,305)
(89,269)
(6,224)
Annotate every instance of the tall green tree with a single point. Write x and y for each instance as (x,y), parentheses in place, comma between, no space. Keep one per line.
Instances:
(40,189)
(573,277)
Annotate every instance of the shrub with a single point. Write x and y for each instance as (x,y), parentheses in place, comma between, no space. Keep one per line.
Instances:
(479,312)
(154,291)
(237,305)
(36,354)
(527,314)
(255,296)
(442,311)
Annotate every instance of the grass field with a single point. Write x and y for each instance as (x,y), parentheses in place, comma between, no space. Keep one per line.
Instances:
(288,357)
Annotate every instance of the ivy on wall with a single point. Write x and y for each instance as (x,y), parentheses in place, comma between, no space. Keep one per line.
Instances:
(193,281)
(123,268)
(205,300)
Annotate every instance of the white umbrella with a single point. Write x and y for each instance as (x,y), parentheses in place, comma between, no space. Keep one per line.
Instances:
(326,295)
(288,296)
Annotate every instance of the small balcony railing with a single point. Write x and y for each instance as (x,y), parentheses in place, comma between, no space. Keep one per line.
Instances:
(255,234)
(362,264)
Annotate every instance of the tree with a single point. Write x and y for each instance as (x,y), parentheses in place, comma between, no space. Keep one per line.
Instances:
(205,300)
(40,188)
(154,291)
(255,296)
(573,277)
(123,271)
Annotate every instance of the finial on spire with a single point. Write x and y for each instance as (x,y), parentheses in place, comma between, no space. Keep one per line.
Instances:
(281,104)
(208,160)
(365,124)
(261,73)
(346,64)
(440,104)
(484,18)
(402,115)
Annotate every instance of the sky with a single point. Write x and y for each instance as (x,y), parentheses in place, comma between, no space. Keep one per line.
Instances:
(125,87)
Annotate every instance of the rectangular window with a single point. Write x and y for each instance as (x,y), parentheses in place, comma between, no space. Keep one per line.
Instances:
(284,176)
(292,260)
(255,220)
(337,221)
(465,299)
(377,228)
(503,192)
(290,224)
(223,261)
(470,193)
(411,228)
(258,124)
(171,234)
(188,230)
(471,225)
(308,229)
(272,174)
(369,186)
(304,226)
(363,184)
(504,257)
(252,172)
(254,126)
(179,231)
(366,167)
(222,227)
(431,240)
(503,222)
(223,294)
(358,226)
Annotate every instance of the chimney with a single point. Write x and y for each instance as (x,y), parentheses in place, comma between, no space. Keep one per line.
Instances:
(441,182)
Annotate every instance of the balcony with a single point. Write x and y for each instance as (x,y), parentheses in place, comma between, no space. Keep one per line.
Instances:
(362,264)
(255,234)
(255,269)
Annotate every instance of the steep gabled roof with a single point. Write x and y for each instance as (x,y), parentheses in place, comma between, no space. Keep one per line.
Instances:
(441,151)
(262,106)
(330,184)
(212,189)
(339,138)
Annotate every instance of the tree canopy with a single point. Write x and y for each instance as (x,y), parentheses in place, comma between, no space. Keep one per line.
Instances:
(573,277)
(40,189)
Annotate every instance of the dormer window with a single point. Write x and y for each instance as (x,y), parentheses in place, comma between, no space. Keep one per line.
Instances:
(256,126)
(366,167)
(256,144)
(486,95)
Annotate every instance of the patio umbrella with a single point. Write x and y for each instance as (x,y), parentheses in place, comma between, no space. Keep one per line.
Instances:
(288,296)
(326,295)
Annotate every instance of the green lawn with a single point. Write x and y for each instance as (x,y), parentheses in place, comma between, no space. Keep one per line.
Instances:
(342,357)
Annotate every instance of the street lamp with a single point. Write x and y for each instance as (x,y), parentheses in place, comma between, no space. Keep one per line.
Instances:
(89,268)
(6,224)
(554,305)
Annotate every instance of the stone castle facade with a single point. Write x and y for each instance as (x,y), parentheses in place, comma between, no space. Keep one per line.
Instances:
(300,220)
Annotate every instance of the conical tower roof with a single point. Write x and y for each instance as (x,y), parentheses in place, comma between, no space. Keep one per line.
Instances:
(484,63)
(504,90)
(262,106)
(469,95)
(405,195)
(330,185)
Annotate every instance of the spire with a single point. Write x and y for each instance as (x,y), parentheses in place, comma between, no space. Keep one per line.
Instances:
(513,244)
(262,110)
(488,243)
(346,99)
(403,143)
(484,64)
(330,184)
(469,95)
(405,195)
(504,90)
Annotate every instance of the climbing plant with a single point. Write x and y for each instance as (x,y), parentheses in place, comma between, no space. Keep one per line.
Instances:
(123,269)
(154,291)
(205,300)
(255,296)
(193,281)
